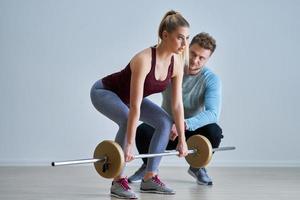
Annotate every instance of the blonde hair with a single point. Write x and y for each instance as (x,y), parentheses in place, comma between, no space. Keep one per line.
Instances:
(170,22)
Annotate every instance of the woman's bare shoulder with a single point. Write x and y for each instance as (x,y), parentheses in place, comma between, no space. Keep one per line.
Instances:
(142,58)
(145,54)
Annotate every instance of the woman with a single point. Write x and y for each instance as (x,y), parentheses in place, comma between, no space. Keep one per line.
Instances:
(121,97)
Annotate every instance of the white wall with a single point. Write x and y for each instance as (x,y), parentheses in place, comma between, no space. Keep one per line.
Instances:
(51,52)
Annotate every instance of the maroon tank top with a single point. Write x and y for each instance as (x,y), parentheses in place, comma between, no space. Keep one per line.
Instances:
(120,82)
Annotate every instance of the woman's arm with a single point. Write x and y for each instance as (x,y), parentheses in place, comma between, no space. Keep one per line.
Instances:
(139,70)
(177,106)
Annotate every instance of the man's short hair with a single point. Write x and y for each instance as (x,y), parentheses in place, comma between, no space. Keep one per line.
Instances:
(205,41)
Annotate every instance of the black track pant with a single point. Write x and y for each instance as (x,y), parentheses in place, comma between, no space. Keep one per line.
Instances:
(144,134)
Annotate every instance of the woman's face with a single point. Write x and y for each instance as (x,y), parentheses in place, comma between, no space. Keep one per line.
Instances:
(177,40)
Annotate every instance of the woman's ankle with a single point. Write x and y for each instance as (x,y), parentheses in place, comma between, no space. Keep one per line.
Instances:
(118,178)
(149,175)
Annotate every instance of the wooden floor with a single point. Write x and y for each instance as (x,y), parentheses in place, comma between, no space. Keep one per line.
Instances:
(82,182)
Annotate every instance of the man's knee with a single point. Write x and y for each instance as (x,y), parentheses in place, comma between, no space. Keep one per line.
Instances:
(214,133)
(144,131)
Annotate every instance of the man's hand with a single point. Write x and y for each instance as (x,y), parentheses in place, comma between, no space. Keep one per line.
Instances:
(173,134)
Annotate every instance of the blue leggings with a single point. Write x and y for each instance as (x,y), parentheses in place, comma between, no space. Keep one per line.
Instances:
(110,104)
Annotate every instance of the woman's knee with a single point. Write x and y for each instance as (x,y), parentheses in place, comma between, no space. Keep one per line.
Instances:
(164,123)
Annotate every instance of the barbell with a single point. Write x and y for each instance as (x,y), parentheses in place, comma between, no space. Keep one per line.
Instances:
(109,157)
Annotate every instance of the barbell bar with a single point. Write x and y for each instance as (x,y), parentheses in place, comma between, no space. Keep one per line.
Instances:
(174,152)
(109,157)
(79,161)
(166,153)
(103,159)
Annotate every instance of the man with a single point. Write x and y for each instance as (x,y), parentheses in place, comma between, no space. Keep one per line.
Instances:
(201,92)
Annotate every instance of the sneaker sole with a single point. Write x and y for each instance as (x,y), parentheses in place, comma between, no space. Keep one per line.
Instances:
(199,182)
(134,181)
(156,192)
(122,197)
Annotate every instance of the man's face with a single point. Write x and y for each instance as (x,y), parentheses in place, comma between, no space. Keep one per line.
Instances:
(198,57)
